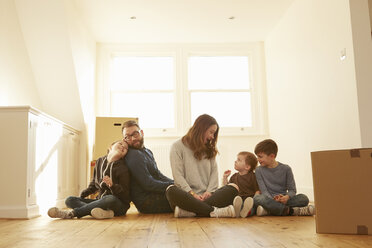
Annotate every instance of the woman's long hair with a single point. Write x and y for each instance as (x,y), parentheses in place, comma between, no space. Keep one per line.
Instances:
(194,138)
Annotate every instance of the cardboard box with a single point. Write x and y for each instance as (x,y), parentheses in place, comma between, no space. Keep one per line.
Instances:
(108,130)
(343,191)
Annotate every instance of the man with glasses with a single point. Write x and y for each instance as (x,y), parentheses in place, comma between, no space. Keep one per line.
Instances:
(148,184)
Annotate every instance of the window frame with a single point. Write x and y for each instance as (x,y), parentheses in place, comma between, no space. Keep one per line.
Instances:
(182,95)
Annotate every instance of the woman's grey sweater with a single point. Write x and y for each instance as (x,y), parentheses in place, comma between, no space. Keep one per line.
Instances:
(190,173)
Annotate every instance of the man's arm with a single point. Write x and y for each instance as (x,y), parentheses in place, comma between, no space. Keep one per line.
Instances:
(160,175)
(164,178)
(140,173)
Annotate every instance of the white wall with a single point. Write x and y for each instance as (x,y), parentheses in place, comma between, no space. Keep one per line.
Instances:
(47,60)
(83,49)
(362,42)
(312,94)
(45,30)
(315,100)
(17,83)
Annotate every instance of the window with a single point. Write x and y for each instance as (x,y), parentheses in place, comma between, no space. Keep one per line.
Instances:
(220,86)
(168,87)
(143,87)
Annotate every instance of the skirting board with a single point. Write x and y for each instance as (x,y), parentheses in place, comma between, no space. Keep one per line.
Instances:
(19,212)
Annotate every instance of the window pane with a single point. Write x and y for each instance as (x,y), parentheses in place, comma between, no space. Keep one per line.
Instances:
(142,73)
(154,110)
(231,109)
(224,72)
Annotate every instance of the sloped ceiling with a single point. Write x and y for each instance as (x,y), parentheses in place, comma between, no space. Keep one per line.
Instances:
(149,21)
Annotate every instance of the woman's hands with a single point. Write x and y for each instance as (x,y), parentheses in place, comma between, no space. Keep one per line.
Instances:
(206,195)
(202,197)
(199,197)
(107,180)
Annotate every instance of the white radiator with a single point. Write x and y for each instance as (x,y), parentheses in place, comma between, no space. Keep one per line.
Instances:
(161,154)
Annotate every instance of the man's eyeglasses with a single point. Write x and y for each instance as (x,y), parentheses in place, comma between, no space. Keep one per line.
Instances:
(135,135)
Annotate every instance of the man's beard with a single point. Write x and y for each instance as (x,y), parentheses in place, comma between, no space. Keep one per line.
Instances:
(138,145)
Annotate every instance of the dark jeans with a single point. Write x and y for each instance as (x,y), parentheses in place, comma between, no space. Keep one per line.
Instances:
(154,204)
(276,208)
(222,197)
(82,206)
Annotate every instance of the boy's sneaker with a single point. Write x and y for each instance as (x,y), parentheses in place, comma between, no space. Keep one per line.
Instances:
(100,213)
(261,211)
(180,213)
(228,212)
(304,211)
(58,213)
(247,207)
(237,203)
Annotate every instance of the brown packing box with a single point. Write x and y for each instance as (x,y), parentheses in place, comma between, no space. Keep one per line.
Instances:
(343,191)
(108,130)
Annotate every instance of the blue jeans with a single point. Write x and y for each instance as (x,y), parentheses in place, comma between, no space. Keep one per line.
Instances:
(276,208)
(82,206)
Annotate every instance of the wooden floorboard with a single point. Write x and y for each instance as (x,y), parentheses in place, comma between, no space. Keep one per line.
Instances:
(163,230)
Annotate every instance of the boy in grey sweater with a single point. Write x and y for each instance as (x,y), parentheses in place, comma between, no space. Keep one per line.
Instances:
(277,185)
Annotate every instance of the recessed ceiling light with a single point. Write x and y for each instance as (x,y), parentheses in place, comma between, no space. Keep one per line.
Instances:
(232,17)
(133,17)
